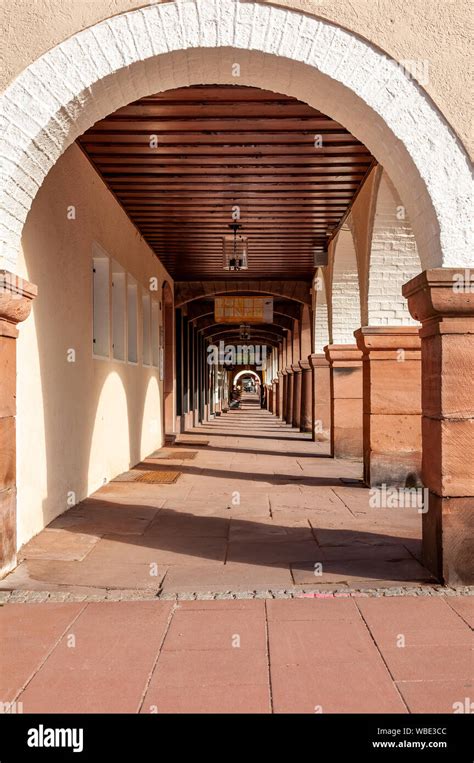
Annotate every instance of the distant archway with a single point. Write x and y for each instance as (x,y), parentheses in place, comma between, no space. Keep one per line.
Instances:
(246,372)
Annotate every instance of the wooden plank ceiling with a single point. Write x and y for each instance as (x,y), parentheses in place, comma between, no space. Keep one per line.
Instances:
(220,146)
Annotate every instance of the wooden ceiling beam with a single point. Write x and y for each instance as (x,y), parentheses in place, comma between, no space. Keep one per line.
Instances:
(293,171)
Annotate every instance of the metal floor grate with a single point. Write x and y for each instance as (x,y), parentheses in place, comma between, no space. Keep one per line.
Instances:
(153,476)
(183,455)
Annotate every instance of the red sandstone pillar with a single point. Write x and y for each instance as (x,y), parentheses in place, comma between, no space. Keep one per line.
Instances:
(275,395)
(269,401)
(391,369)
(306,415)
(283,386)
(346,387)
(321,397)
(297,382)
(289,395)
(443,300)
(15,305)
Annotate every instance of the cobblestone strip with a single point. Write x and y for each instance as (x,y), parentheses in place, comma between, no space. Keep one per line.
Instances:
(39,597)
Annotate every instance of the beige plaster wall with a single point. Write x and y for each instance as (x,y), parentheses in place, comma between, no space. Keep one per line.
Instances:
(435,30)
(82,423)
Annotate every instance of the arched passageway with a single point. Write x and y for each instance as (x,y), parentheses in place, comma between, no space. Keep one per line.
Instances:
(295,157)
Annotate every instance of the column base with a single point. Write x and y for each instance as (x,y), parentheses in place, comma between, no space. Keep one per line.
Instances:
(448,539)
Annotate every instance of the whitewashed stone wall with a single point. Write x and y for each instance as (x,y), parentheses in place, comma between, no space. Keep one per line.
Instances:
(345,308)
(393,259)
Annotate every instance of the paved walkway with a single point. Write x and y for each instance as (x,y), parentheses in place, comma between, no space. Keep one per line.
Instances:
(252,513)
(261,507)
(309,655)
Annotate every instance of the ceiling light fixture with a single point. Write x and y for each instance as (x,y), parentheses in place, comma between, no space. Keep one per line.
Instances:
(235,249)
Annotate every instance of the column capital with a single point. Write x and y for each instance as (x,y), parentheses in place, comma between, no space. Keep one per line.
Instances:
(318,360)
(343,354)
(16,296)
(442,299)
(387,341)
(289,370)
(304,364)
(296,368)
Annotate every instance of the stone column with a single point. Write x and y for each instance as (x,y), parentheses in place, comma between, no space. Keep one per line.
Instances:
(15,306)
(275,396)
(282,394)
(346,387)
(321,397)
(391,369)
(289,395)
(296,418)
(443,300)
(306,415)
(269,401)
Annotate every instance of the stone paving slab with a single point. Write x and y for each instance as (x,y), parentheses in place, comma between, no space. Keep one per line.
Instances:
(305,655)
(208,699)
(363,687)
(231,576)
(40,574)
(437,696)
(59,544)
(151,549)
(99,519)
(181,599)
(96,666)
(28,635)
(464,608)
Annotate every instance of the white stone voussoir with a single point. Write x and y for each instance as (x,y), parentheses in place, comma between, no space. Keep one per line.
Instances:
(161,46)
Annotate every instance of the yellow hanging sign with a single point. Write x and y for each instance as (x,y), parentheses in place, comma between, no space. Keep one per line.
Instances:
(243,309)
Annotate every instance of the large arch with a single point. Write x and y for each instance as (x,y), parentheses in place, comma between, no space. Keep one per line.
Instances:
(158,47)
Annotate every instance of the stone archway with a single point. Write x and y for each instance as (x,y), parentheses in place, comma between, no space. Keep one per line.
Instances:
(246,372)
(169,45)
(175,44)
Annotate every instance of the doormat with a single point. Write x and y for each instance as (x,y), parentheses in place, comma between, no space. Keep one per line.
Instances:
(164,453)
(155,477)
(189,441)
(158,477)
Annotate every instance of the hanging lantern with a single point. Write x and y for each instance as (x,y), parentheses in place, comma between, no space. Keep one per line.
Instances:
(235,249)
(244,332)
